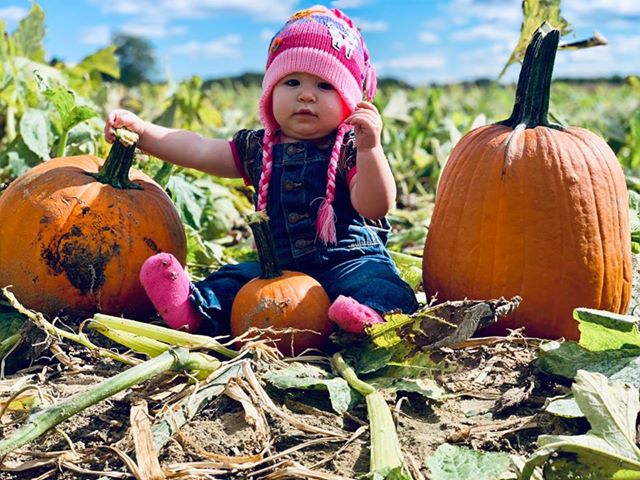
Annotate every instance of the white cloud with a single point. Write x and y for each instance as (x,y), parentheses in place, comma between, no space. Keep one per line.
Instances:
(167,10)
(416,61)
(344,4)
(486,32)
(371,25)
(428,37)
(620,7)
(96,35)
(219,48)
(506,13)
(625,44)
(153,30)
(266,34)
(13,14)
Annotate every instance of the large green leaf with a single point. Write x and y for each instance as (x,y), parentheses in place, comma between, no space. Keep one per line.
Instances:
(34,129)
(103,61)
(565,359)
(602,330)
(29,36)
(534,14)
(310,377)
(188,199)
(452,462)
(610,445)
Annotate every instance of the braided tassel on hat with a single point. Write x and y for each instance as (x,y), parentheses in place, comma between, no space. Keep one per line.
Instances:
(326,221)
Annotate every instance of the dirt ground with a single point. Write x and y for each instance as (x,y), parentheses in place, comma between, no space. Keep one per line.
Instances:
(493,402)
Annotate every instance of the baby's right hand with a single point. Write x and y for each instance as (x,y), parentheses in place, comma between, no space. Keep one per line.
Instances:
(120,118)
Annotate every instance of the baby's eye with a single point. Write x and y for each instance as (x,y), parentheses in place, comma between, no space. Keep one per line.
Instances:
(325,86)
(292,82)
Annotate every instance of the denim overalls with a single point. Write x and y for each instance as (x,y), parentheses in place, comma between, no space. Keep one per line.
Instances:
(358,266)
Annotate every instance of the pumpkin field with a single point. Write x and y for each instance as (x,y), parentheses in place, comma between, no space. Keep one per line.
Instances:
(483,382)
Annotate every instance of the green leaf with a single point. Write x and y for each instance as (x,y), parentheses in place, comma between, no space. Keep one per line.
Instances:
(634,219)
(63,100)
(568,466)
(78,115)
(611,409)
(188,200)
(601,330)
(310,377)
(29,36)
(410,268)
(103,61)
(535,13)
(566,358)
(451,462)
(34,130)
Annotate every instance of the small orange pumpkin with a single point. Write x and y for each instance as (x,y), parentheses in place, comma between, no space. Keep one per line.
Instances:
(281,299)
(533,209)
(76,230)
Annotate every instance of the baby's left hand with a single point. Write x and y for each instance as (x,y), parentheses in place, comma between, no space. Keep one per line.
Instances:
(368,125)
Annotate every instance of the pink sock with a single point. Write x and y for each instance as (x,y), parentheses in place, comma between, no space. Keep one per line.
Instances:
(352,316)
(168,287)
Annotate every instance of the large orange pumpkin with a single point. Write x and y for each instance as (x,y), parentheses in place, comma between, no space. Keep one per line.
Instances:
(281,299)
(532,209)
(76,230)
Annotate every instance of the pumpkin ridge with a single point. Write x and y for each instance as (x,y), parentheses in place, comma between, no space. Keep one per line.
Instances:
(556,172)
(463,160)
(594,217)
(485,259)
(620,227)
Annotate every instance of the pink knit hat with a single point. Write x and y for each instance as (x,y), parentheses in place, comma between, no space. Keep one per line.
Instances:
(324,43)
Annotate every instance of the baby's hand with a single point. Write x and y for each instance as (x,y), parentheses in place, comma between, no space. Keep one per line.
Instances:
(120,118)
(368,125)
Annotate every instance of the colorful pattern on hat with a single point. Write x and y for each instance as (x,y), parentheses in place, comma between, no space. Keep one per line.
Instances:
(322,42)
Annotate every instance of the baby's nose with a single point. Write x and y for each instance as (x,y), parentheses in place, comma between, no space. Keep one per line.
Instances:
(307,96)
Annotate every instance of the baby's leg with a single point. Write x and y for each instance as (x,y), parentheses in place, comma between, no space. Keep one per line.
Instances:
(214,296)
(168,287)
(201,306)
(371,280)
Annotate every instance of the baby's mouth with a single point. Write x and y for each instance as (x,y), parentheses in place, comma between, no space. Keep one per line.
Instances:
(305,112)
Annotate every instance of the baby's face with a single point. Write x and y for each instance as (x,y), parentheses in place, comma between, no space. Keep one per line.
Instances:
(307,107)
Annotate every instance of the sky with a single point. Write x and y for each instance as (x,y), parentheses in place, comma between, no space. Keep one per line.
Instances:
(418,41)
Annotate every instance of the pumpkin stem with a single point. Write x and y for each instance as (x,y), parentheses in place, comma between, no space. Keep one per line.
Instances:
(259,223)
(115,169)
(534,83)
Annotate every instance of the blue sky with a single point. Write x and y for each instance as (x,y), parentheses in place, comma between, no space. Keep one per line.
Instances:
(417,41)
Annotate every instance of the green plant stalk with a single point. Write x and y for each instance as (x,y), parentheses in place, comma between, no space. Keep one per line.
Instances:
(51,329)
(385,447)
(162,334)
(8,343)
(62,144)
(44,420)
(202,364)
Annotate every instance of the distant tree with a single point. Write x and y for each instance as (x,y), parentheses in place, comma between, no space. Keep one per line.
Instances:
(136,59)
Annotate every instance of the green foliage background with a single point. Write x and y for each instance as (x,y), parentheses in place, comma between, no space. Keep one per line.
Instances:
(48,111)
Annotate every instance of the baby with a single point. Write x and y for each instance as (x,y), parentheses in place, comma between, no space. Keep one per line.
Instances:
(318,170)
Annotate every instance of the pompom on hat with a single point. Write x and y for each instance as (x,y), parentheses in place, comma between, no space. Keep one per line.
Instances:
(322,42)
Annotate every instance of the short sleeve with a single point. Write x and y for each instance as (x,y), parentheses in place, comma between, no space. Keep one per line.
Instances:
(347,161)
(245,146)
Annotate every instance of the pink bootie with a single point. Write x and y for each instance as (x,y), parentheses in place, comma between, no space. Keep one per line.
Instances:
(167,286)
(352,316)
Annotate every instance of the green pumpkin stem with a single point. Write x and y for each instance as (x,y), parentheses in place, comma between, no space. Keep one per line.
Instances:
(534,83)
(259,223)
(115,169)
